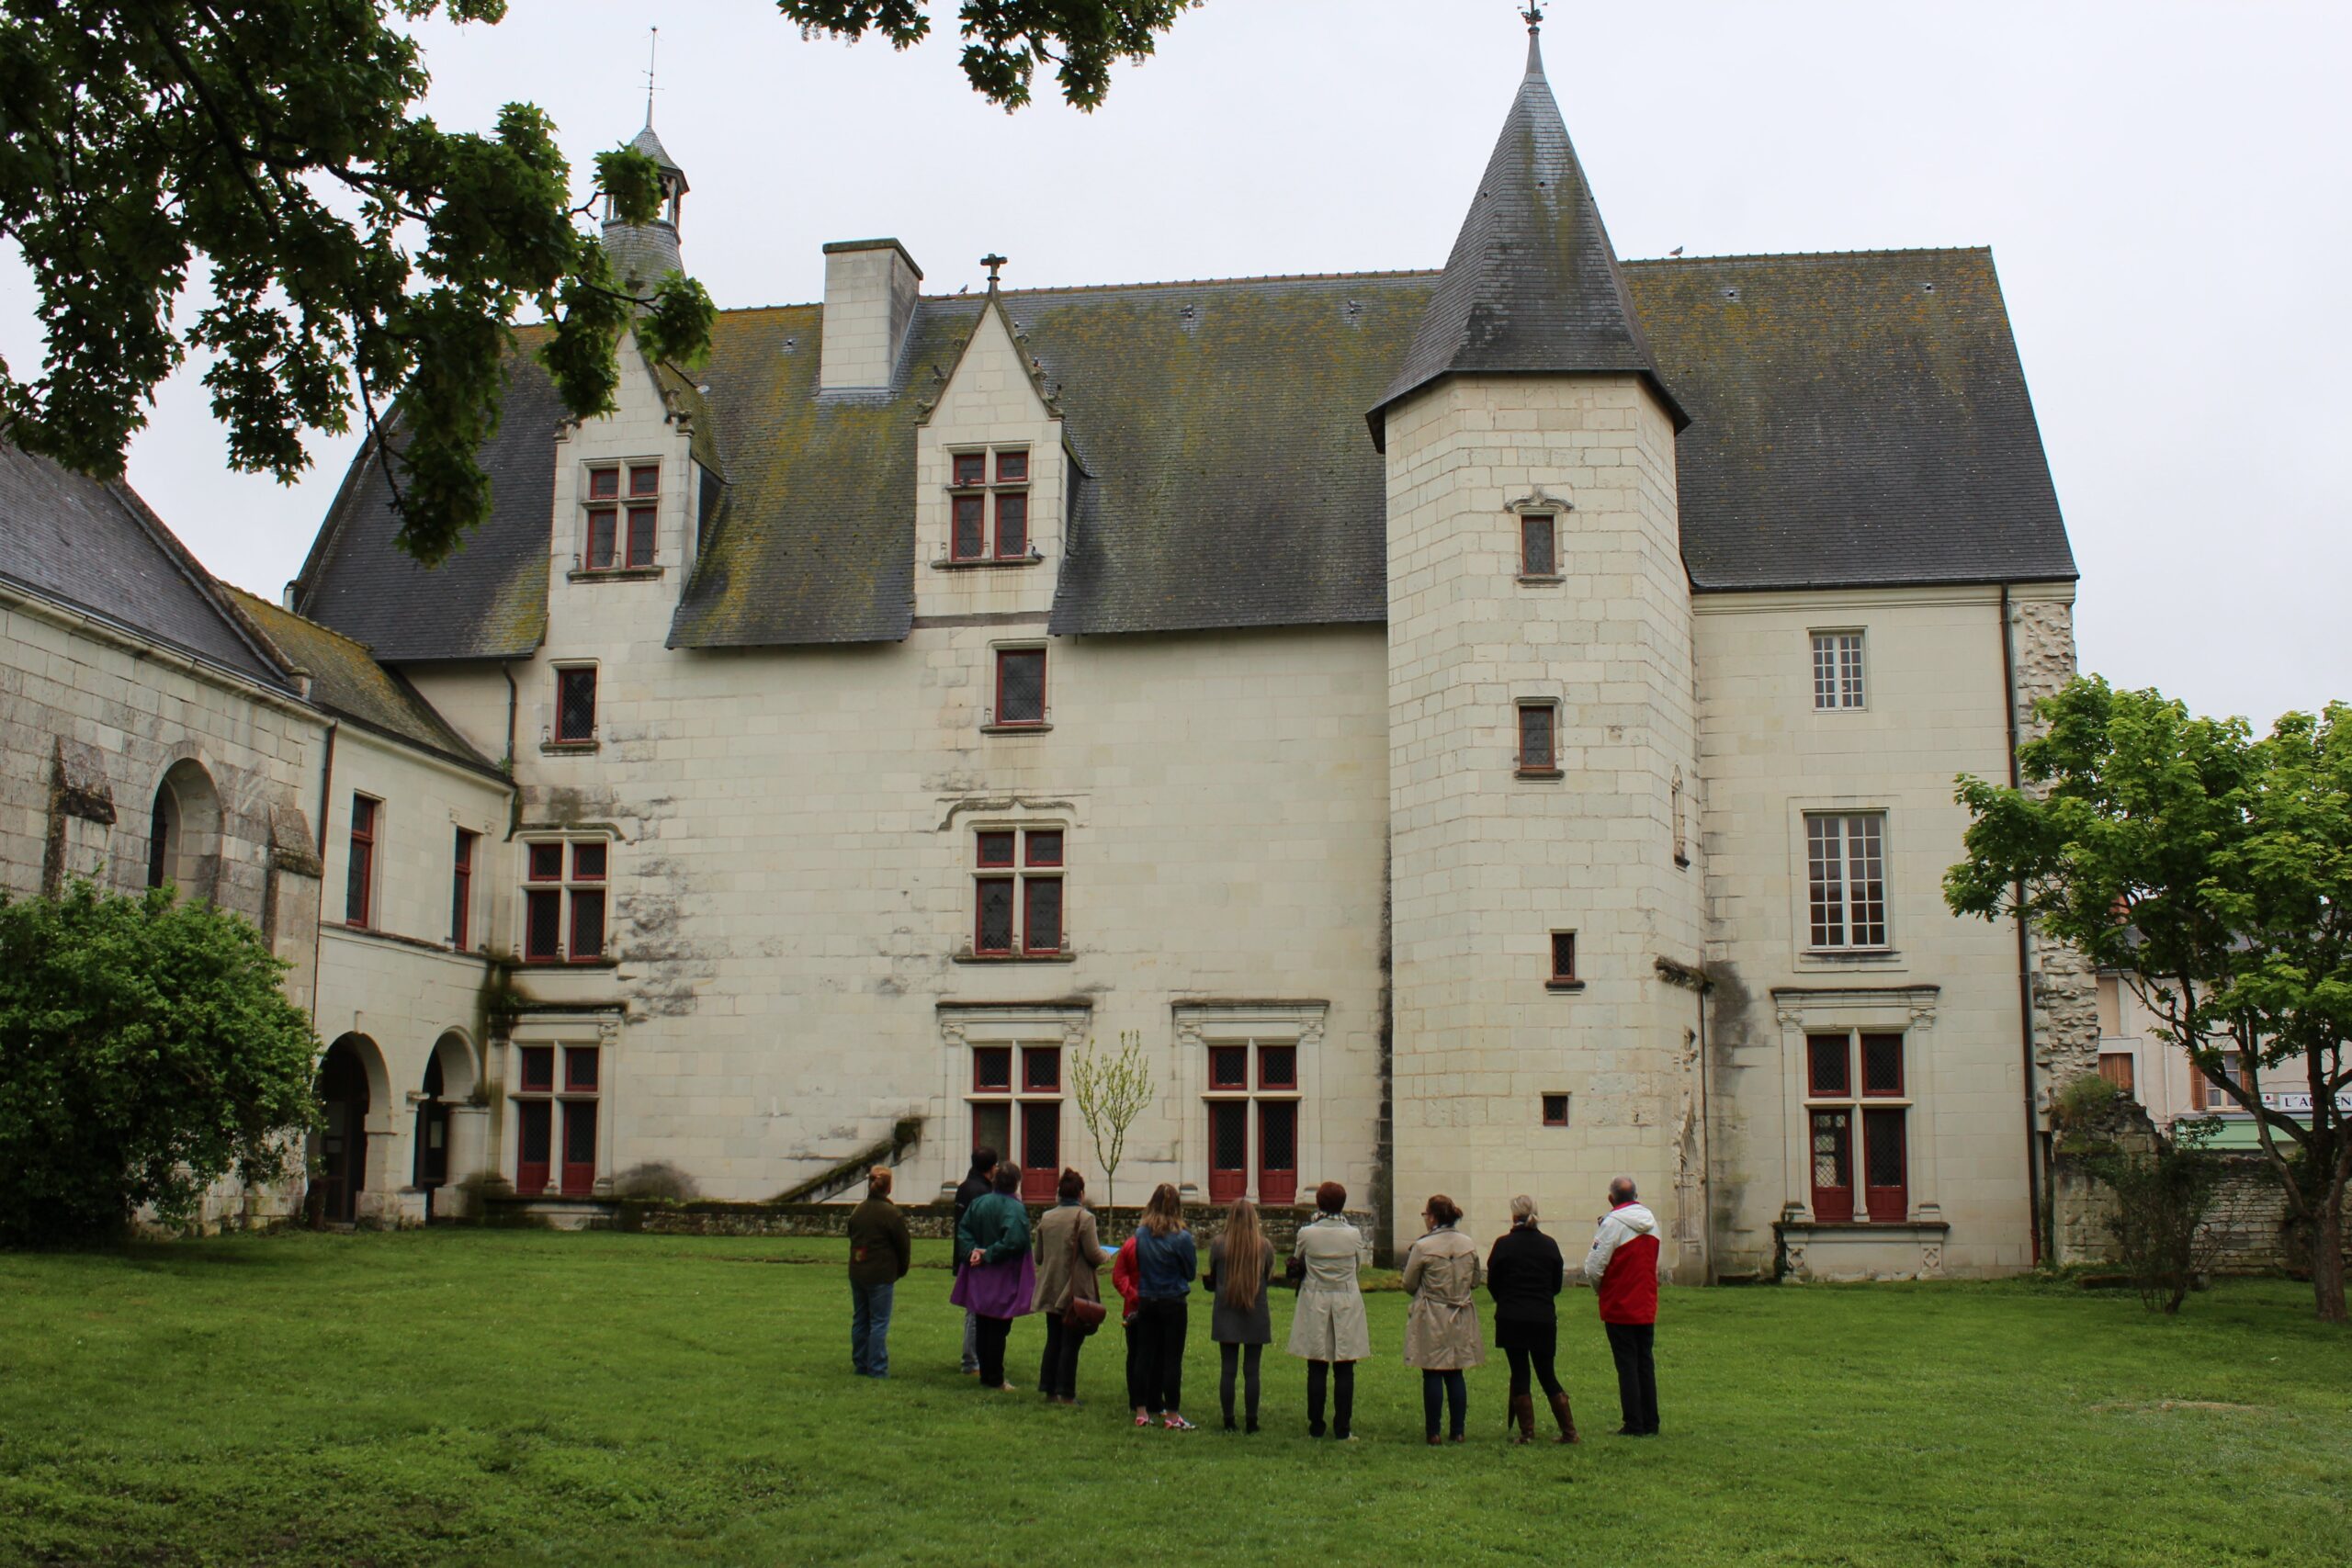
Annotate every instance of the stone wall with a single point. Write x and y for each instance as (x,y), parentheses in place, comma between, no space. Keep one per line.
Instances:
(2248,1230)
(928,1222)
(2066,987)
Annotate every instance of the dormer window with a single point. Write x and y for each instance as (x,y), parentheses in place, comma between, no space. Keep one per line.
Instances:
(989,517)
(621,527)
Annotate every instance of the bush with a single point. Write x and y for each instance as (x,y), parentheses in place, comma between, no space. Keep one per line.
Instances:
(146,1049)
(657,1181)
(2161,1202)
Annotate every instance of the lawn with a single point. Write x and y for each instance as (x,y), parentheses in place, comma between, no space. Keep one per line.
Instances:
(522,1398)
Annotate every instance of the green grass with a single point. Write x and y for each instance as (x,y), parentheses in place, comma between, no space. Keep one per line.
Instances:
(525,1398)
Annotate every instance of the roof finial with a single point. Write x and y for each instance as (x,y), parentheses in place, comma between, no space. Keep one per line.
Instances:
(1534,18)
(652,47)
(992,261)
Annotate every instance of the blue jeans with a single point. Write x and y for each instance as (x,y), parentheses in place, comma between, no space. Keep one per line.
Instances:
(869,1328)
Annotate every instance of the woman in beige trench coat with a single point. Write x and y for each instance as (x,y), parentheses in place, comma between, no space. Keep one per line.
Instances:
(1442,1270)
(1328,1328)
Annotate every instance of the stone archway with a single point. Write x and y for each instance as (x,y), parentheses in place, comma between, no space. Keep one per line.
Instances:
(447,1121)
(184,830)
(350,1089)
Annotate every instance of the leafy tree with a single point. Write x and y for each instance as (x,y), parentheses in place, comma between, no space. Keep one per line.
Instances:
(1005,39)
(146,1049)
(355,251)
(1112,1093)
(2213,872)
(353,248)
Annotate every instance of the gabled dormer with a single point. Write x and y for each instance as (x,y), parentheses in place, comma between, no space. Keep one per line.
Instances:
(992,477)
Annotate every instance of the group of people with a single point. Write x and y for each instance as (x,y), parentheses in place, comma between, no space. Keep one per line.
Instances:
(1007,1266)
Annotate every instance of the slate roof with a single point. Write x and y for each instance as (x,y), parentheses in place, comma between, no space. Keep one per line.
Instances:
(1855,420)
(94,546)
(347,680)
(1532,285)
(490,601)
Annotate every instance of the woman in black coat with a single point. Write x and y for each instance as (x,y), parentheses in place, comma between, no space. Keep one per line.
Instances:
(1523,1274)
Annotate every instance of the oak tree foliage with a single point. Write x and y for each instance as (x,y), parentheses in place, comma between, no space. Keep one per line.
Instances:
(1006,40)
(146,1049)
(350,250)
(2211,869)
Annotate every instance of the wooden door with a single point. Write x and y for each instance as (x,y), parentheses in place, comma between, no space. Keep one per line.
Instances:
(1228,1149)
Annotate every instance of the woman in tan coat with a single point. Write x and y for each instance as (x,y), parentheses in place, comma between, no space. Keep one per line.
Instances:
(1069,1252)
(1443,1272)
(1328,1329)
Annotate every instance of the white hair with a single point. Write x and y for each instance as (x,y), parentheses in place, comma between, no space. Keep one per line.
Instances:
(1522,1209)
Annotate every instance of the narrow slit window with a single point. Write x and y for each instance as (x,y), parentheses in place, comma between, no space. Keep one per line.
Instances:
(1563,958)
(575,705)
(1539,537)
(1538,750)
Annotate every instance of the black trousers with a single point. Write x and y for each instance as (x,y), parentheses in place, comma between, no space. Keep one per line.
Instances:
(1344,1392)
(1630,1343)
(1141,1395)
(1444,1393)
(1058,1373)
(1247,1357)
(993,1331)
(1530,1367)
(1163,1321)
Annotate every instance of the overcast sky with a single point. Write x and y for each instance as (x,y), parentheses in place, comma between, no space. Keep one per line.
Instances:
(2164,188)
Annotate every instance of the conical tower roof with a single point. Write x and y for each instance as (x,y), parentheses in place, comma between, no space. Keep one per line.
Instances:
(645,142)
(1532,287)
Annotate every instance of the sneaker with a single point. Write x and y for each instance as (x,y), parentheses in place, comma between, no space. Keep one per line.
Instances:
(1143,1420)
(1176,1423)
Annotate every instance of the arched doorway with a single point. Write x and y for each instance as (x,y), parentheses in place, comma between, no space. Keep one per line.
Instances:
(338,1148)
(449,1080)
(184,830)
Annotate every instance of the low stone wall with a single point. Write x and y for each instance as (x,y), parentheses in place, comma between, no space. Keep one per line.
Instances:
(932,1221)
(2249,1229)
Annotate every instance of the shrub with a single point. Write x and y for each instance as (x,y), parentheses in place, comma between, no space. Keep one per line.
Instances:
(146,1049)
(2162,1199)
(656,1179)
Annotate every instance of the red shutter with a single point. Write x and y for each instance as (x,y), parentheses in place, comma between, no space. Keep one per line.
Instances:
(1228,1149)
(1832,1166)
(579,1147)
(1277,1151)
(1041,1149)
(536,1120)
(1885,1166)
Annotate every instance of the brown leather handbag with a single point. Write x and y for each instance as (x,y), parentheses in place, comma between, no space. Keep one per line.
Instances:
(1084,1312)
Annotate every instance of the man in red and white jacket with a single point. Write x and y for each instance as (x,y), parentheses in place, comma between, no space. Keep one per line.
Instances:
(1622,1266)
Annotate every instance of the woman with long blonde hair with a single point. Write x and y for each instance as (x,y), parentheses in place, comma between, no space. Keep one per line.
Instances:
(1165,1260)
(1241,1265)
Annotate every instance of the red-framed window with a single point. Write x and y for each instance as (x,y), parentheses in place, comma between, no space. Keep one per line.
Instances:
(1857,1119)
(359,883)
(975,500)
(1020,686)
(543,1109)
(1563,959)
(564,889)
(1538,737)
(1253,1095)
(575,704)
(535,1118)
(1017,893)
(622,528)
(461,889)
(1539,542)
(1554,1109)
(1017,1106)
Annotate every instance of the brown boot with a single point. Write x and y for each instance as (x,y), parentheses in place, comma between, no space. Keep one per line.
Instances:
(1523,1412)
(1566,1418)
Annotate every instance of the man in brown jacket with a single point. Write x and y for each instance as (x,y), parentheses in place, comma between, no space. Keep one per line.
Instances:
(879,1252)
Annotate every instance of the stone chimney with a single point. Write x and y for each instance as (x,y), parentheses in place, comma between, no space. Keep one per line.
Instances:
(870,288)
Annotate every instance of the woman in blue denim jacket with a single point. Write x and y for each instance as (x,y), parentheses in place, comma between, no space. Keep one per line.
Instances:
(1164,1263)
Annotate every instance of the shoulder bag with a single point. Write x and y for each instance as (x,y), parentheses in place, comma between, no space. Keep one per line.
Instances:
(1084,1314)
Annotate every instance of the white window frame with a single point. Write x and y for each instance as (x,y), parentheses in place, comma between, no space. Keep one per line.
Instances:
(1849,929)
(1841,669)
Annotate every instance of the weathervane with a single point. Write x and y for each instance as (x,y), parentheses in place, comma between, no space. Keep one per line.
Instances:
(1533,16)
(652,49)
(992,261)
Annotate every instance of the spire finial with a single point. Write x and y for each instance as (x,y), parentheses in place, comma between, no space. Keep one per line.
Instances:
(1534,18)
(653,50)
(992,262)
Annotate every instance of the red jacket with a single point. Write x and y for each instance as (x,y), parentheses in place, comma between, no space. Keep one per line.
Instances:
(1126,1279)
(1624,1265)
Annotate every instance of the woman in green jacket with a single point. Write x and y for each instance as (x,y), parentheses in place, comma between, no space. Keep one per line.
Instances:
(999,1278)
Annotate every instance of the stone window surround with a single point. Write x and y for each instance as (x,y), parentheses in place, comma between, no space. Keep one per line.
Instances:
(582,568)
(1807,958)
(1908,1010)
(552,742)
(1197,1026)
(965,1025)
(563,886)
(1536,503)
(1019,872)
(602,1030)
(991,489)
(1520,703)
(997,650)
